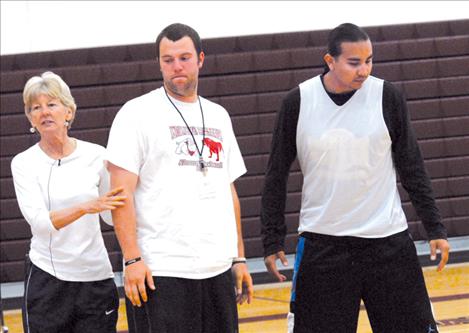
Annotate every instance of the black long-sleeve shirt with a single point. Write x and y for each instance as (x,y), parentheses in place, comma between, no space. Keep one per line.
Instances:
(406,155)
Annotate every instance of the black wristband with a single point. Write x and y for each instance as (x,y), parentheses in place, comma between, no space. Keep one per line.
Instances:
(132,261)
(238,260)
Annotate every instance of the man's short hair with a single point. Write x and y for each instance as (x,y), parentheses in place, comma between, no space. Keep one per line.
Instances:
(175,32)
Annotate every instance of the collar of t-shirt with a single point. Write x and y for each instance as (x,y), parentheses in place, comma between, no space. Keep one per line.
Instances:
(339,99)
(183,106)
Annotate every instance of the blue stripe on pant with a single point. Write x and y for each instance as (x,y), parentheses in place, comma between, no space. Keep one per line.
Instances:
(299,255)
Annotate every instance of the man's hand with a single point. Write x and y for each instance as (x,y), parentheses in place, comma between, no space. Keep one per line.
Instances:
(443,246)
(134,282)
(270,263)
(243,283)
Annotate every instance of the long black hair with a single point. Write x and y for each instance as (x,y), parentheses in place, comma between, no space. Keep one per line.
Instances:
(346,32)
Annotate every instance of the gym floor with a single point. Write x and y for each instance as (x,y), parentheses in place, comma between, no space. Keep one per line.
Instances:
(449,292)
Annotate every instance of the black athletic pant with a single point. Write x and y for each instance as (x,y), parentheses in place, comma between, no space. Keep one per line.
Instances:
(55,306)
(335,273)
(187,306)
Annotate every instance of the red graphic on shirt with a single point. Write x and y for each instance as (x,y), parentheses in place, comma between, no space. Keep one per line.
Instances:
(214,146)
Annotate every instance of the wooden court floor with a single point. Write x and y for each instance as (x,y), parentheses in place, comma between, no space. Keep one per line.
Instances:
(449,292)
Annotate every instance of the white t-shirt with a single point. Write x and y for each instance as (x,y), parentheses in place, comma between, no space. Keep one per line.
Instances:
(42,184)
(186,225)
(349,186)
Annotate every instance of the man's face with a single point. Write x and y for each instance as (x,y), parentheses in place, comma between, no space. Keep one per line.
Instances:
(352,67)
(180,66)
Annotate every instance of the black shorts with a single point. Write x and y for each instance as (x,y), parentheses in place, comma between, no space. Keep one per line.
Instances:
(55,306)
(335,273)
(186,305)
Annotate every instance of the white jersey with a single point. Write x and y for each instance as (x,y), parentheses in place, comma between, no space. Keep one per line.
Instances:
(186,225)
(42,184)
(345,155)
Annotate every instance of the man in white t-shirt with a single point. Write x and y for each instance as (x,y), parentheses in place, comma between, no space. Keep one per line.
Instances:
(176,155)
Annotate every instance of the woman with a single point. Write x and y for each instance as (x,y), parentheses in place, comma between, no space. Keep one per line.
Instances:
(60,185)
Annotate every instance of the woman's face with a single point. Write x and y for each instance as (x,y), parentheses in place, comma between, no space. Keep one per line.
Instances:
(48,115)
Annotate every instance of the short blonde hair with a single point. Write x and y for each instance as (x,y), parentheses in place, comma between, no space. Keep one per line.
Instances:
(49,84)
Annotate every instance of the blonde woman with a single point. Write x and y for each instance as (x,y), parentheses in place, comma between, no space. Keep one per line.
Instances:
(61,185)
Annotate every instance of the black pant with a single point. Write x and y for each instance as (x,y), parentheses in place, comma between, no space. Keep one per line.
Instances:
(55,306)
(335,273)
(187,306)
